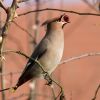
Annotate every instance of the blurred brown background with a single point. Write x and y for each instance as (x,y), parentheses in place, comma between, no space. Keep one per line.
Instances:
(79,78)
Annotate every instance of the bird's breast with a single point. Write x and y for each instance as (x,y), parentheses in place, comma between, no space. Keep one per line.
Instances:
(54,53)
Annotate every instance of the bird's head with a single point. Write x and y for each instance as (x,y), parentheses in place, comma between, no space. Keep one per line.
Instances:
(57,22)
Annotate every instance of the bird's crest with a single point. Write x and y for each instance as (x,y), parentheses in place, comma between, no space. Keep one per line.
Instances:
(63,17)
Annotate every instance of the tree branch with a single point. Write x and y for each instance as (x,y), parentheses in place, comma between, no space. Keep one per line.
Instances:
(61,10)
(10,16)
(80,57)
(3,7)
(21,1)
(90,5)
(96,92)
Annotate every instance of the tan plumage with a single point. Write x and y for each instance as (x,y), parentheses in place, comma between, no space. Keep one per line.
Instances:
(48,52)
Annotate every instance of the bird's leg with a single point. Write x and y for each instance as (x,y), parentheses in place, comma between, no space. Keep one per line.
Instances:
(48,78)
(50,81)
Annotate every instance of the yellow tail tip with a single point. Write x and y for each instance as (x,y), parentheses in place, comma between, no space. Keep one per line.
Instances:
(13,89)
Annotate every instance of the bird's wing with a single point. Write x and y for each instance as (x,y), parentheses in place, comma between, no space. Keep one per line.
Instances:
(39,51)
(30,70)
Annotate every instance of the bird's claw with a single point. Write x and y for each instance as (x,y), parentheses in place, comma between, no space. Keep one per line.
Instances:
(47,77)
(49,82)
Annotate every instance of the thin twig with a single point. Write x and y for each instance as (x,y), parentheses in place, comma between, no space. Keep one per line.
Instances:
(95,5)
(23,29)
(90,5)
(96,92)
(10,16)
(21,1)
(4,89)
(80,57)
(2,6)
(61,10)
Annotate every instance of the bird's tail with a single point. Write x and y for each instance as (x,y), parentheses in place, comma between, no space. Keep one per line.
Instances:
(13,89)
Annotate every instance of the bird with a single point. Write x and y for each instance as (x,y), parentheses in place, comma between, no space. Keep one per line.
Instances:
(48,52)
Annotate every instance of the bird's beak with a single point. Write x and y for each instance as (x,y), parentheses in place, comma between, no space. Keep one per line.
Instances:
(66,22)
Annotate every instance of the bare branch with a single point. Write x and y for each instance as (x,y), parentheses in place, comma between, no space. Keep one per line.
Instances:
(80,57)
(21,1)
(90,5)
(95,5)
(10,16)
(63,61)
(23,29)
(61,10)
(96,92)
(2,6)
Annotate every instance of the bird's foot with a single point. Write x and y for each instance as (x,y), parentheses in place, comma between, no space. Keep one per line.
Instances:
(48,78)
